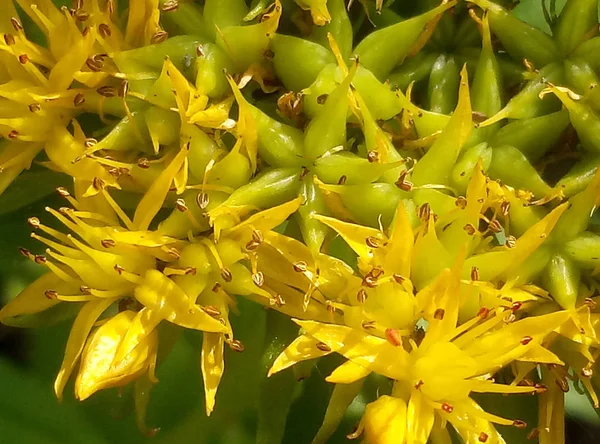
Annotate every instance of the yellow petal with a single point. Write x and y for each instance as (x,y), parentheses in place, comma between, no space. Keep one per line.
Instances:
(32,299)
(213,365)
(347,373)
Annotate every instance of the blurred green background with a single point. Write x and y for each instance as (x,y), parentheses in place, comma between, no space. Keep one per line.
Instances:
(30,358)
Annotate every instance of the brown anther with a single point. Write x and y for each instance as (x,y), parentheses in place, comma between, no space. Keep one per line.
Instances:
(448,408)
(108,243)
(51,294)
(526,340)
(424,212)
(119,269)
(226,274)
(216,288)
(511,241)
(590,303)
(279,301)
(94,64)
(516,306)
(199,51)
(419,384)
(323,347)
(303,173)
(540,388)
(170,5)
(35,107)
(483,312)
(39,259)
(123,88)
(367,325)
(322,99)
(258,278)
(403,183)
(104,30)
(373,156)
(474,273)
(509,318)
(505,208)
(300,266)
(64,210)
(470,229)
(202,200)
(13,134)
(393,336)
(251,246)
(159,37)
(211,310)
(563,384)
(79,99)
(85,31)
(587,372)
(373,242)
(90,142)
(180,205)
(370,281)
(268,54)
(236,345)
(98,183)
(257,236)
(23,58)
(461,202)
(362,296)
(25,252)
(494,226)
(519,424)
(9,39)
(85,289)
(483,437)
(525,383)
(533,434)
(107,91)
(439,314)
(398,278)
(342,180)
(143,163)
(174,253)
(16,24)
(81,15)
(34,222)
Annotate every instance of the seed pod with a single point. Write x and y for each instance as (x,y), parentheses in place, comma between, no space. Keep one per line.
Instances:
(339,27)
(583,250)
(580,175)
(561,279)
(577,19)
(356,169)
(533,137)
(220,14)
(313,231)
(298,61)
(160,124)
(463,170)
(512,167)
(589,51)
(211,65)
(202,149)
(233,170)
(442,94)
(520,39)
(386,48)
(414,69)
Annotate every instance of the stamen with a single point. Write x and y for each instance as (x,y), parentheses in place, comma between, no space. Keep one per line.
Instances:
(323,347)
(393,336)
(236,345)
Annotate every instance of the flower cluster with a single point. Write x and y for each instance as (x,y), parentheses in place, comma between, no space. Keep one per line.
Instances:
(416,194)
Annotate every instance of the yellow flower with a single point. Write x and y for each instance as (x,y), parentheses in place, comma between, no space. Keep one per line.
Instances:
(433,377)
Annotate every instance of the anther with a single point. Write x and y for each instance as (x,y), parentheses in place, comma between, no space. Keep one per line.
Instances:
(35,107)
(79,99)
(461,202)
(199,51)
(108,243)
(511,241)
(51,294)
(516,306)
(23,58)
(211,310)
(143,163)
(483,437)
(159,37)
(279,301)
(300,266)
(439,314)
(251,246)
(373,242)
(226,275)
(16,24)
(322,99)
(170,5)
(533,434)
(494,226)
(82,15)
(9,39)
(216,288)
(34,222)
(505,208)
(540,388)
(470,229)
(474,273)
(342,180)
(419,384)
(448,408)
(90,142)
(98,183)
(587,372)
(483,312)
(563,384)
(236,345)
(362,296)
(519,424)
(202,200)
(398,278)
(526,340)
(393,336)
(180,205)
(13,134)
(258,278)
(403,183)
(257,236)
(39,259)
(94,64)
(85,289)
(119,269)
(323,347)
(104,30)
(367,325)
(373,156)
(25,252)
(123,88)
(107,91)
(424,212)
